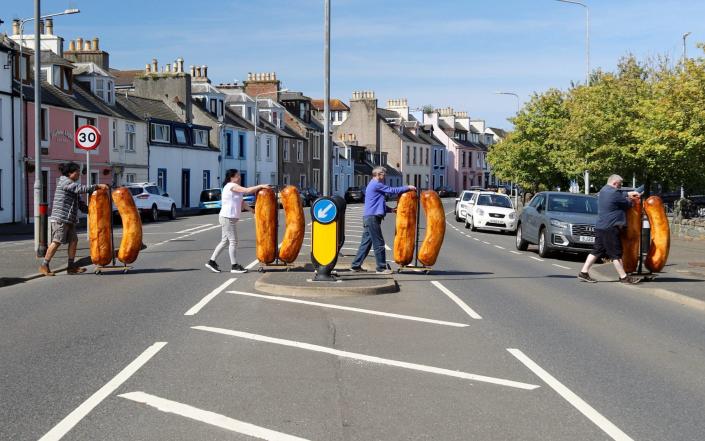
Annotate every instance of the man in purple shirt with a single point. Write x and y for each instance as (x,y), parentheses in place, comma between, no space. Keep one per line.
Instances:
(375,210)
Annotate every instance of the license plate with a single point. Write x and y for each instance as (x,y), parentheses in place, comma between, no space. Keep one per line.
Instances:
(588,239)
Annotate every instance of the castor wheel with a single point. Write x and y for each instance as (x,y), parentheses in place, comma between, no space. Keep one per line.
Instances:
(97,271)
(398,270)
(124,271)
(288,269)
(260,270)
(427,272)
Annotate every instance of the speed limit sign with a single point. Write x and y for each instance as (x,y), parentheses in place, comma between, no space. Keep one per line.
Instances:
(87,137)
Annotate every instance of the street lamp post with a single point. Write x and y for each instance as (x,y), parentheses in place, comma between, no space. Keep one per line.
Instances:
(326,98)
(39,246)
(685,36)
(587,37)
(257,124)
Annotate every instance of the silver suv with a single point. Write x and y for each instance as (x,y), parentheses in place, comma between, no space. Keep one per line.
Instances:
(150,201)
(558,221)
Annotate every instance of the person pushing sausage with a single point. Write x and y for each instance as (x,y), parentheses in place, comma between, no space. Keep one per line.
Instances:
(611,217)
(374,212)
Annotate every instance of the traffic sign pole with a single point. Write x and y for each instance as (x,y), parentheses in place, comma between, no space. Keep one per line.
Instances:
(87,138)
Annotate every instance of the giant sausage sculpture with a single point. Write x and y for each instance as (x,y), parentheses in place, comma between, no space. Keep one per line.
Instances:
(131,242)
(631,236)
(660,234)
(100,228)
(405,236)
(266,225)
(295,224)
(435,227)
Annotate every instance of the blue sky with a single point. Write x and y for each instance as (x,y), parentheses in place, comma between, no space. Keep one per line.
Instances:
(443,52)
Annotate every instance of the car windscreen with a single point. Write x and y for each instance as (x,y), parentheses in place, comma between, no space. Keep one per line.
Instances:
(572,204)
(467,196)
(135,190)
(210,195)
(494,201)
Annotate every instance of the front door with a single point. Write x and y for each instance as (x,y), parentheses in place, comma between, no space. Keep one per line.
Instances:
(185,188)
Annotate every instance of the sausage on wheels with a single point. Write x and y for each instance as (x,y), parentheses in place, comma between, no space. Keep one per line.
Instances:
(295,225)
(660,234)
(405,236)
(435,227)
(631,236)
(131,242)
(266,225)
(100,228)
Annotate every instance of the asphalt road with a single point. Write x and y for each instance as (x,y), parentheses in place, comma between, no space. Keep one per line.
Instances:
(515,348)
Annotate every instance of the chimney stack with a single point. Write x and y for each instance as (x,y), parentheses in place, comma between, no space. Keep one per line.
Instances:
(193,70)
(50,26)
(155,65)
(72,46)
(87,46)
(96,46)
(205,71)
(147,68)
(79,44)
(41,27)
(168,68)
(15,27)
(198,71)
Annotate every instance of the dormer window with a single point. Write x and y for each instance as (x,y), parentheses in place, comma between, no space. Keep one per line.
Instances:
(61,77)
(104,89)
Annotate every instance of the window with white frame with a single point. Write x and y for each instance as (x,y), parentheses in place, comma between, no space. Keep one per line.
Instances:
(180,134)
(408,154)
(115,131)
(300,151)
(273,178)
(335,180)
(302,181)
(316,147)
(130,135)
(129,178)
(100,88)
(268,149)
(316,178)
(285,151)
(257,178)
(160,133)
(200,137)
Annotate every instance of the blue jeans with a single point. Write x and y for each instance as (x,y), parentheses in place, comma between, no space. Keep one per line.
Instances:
(372,236)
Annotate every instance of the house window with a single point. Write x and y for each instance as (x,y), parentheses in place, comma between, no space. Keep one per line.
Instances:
(335,183)
(220,107)
(100,88)
(408,154)
(243,178)
(45,186)
(83,121)
(1,187)
(1,106)
(463,159)
(129,178)
(200,137)
(414,155)
(275,119)
(268,149)
(273,178)
(285,180)
(228,145)
(115,144)
(130,137)
(206,179)
(300,152)
(241,146)
(427,156)
(302,181)
(316,147)
(180,134)
(285,151)
(45,125)
(249,114)
(94,178)
(111,94)
(161,180)
(317,178)
(257,178)
(214,106)
(160,133)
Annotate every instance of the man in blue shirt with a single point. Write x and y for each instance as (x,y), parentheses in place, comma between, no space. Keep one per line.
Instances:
(612,205)
(375,210)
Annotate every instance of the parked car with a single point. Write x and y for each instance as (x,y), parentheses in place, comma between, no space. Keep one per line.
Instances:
(210,200)
(279,188)
(558,221)
(249,199)
(310,194)
(150,201)
(446,192)
(491,211)
(354,194)
(462,203)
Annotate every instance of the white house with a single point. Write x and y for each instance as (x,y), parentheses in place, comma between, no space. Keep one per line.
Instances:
(343,170)
(11,166)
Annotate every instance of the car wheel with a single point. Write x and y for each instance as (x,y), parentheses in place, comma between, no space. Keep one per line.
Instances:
(154,214)
(172,212)
(521,244)
(472,224)
(457,218)
(544,249)
(467,224)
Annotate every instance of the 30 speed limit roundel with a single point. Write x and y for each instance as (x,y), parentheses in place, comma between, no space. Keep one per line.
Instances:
(87,137)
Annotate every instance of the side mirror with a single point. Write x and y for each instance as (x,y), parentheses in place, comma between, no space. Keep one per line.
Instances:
(166,195)
(457,199)
(539,208)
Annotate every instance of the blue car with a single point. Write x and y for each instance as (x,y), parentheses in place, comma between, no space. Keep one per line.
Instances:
(210,200)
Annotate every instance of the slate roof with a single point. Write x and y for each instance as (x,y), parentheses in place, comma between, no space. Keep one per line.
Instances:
(235,119)
(49,57)
(146,108)
(293,96)
(89,68)
(125,78)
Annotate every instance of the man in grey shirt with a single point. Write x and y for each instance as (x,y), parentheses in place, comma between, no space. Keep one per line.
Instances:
(612,205)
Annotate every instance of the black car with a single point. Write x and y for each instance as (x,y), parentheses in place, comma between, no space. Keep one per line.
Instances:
(354,194)
(446,192)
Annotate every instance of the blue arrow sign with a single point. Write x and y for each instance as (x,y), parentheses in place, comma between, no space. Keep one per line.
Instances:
(325,211)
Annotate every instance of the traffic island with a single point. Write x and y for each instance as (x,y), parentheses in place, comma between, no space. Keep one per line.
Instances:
(298,282)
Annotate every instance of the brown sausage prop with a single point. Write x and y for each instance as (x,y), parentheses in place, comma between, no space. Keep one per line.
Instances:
(266,225)
(660,234)
(630,237)
(405,236)
(131,226)
(295,225)
(435,227)
(100,228)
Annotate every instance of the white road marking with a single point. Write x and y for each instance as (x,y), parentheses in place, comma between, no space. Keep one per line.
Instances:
(349,249)
(468,310)
(198,306)
(515,252)
(475,238)
(501,248)
(203,230)
(368,358)
(600,421)
(561,266)
(348,308)
(536,258)
(486,243)
(205,416)
(191,229)
(252,264)
(65,425)
(386,247)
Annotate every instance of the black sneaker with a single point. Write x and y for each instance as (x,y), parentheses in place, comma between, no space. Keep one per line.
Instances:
(357,269)
(211,265)
(585,277)
(238,269)
(630,280)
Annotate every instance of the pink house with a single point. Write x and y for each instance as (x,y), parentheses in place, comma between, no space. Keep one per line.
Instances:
(65,106)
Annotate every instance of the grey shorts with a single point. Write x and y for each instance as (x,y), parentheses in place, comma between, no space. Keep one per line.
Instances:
(63,233)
